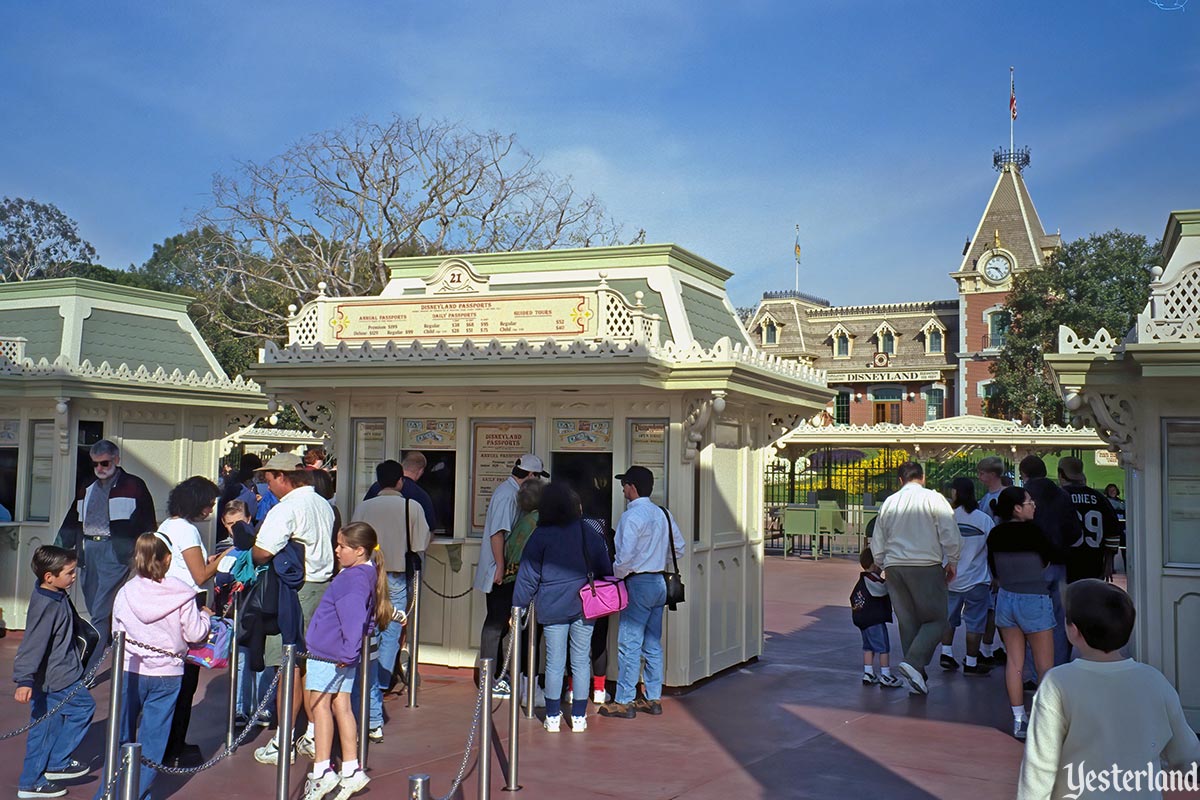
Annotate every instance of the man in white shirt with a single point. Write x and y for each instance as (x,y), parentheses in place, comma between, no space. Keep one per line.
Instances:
(402,528)
(502,513)
(915,535)
(302,516)
(646,534)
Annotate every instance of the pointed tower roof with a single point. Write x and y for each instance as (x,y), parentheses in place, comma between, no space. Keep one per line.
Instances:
(1010,218)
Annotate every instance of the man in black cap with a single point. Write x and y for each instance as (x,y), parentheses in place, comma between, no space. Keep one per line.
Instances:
(1085,555)
(645,534)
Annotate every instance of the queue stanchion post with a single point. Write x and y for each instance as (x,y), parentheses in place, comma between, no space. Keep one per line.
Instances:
(514,703)
(530,657)
(233,678)
(485,730)
(131,781)
(418,787)
(284,732)
(364,699)
(414,638)
(116,685)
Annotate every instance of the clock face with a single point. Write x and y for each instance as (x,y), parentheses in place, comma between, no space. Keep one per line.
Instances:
(997,268)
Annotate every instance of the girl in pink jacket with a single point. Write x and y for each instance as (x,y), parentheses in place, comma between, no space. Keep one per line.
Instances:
(159,611)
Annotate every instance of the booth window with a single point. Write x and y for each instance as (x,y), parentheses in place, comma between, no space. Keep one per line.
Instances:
(41,470)
(887,405)
(935,403)
(437,440)
(89,432)
(1181,484)
(9,455)
(841,408)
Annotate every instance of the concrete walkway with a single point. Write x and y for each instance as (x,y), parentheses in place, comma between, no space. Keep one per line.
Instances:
(797,724)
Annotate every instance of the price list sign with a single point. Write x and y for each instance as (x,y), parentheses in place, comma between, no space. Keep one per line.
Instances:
(519,317)
(495,448)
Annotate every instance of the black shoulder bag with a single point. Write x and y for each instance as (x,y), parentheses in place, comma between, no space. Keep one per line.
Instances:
(675,593)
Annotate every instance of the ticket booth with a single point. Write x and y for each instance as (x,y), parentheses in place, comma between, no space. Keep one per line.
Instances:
(82,361)
(594,359)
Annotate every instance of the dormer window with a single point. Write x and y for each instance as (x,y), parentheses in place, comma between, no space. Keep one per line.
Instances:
(768,329)
(935,337)
(842,341)
(885,338)
(770,333)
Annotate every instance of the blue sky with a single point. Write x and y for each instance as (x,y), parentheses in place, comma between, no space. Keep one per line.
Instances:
(718,126)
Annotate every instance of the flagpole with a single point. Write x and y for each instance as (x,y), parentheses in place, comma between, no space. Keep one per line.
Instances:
(797,258)
(1012,92)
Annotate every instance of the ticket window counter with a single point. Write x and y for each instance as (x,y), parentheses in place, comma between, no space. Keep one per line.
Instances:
(438,481)
(591,476)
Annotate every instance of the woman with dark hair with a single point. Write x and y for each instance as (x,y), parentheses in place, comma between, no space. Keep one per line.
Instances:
(554,567)
(970,592)
(189,502)
(1018,551)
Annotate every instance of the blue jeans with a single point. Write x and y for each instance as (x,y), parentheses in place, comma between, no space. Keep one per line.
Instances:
(389,638)
(103,575)
(579,632)
(639,636)
(375,700)
(252,686)
(146,717)
(51,744)
(1056,582)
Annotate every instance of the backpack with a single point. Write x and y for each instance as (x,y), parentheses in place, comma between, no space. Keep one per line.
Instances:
(866,609)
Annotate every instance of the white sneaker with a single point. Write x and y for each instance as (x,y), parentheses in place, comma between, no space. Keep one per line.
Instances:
(552,723)
(578,724)
(501,690)
(269,753)
(600,697)
(375,735)
(305,746)
(316,787)
(913,677)
(351,784)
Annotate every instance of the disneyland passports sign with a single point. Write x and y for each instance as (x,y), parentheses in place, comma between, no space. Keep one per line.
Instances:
(875,377)
(532,317)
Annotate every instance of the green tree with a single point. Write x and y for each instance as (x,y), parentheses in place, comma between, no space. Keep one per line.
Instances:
(1101,281)
(37,240)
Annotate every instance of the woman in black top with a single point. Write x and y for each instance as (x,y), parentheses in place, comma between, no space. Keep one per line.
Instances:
(1018,551)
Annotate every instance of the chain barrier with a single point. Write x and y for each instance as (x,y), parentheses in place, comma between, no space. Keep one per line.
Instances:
(83,683)
(450,596)
(249,730)
(107,794)
(514,689)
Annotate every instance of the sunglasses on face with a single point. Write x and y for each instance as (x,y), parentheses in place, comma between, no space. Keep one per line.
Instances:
(104,463)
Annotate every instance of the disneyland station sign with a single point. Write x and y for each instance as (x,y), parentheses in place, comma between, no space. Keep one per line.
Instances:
(532,317)
(878,376)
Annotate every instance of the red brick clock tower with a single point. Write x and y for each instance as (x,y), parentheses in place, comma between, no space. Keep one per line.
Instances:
(1009,239)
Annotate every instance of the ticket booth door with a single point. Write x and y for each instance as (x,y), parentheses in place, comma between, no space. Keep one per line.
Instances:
(590,475)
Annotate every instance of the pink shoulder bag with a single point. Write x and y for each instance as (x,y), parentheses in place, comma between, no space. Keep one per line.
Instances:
(600,596)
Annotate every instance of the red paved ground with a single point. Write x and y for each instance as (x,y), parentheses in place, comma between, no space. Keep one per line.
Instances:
(797,724)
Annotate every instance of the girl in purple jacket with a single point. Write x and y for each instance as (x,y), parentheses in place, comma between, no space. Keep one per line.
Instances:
(357,601)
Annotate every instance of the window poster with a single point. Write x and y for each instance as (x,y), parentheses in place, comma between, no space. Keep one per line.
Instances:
(495,448)
(1181,451)
(583,434)
(368,453)
(10,432)
(648,448)
(430,434)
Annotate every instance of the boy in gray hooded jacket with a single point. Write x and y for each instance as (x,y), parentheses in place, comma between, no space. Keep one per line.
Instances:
(48,671)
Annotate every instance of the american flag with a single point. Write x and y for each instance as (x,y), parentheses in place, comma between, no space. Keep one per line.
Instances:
(1012,94)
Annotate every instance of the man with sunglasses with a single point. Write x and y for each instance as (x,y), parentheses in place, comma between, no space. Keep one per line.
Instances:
(101,526)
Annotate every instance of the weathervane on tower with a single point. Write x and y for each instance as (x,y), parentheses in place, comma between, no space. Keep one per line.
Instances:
(1018,158)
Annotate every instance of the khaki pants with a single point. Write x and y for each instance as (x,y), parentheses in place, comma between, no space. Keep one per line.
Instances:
(920,600)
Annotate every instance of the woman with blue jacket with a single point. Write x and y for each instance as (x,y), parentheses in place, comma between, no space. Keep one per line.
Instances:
(554,567)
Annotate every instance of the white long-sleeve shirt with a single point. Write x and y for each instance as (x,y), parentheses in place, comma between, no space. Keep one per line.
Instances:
(642,539)
(916,528)
(1097,714)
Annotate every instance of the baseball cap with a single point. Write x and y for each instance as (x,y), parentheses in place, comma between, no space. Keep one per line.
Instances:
(531,463)
(283,462)
(640,478)
(1072,469)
